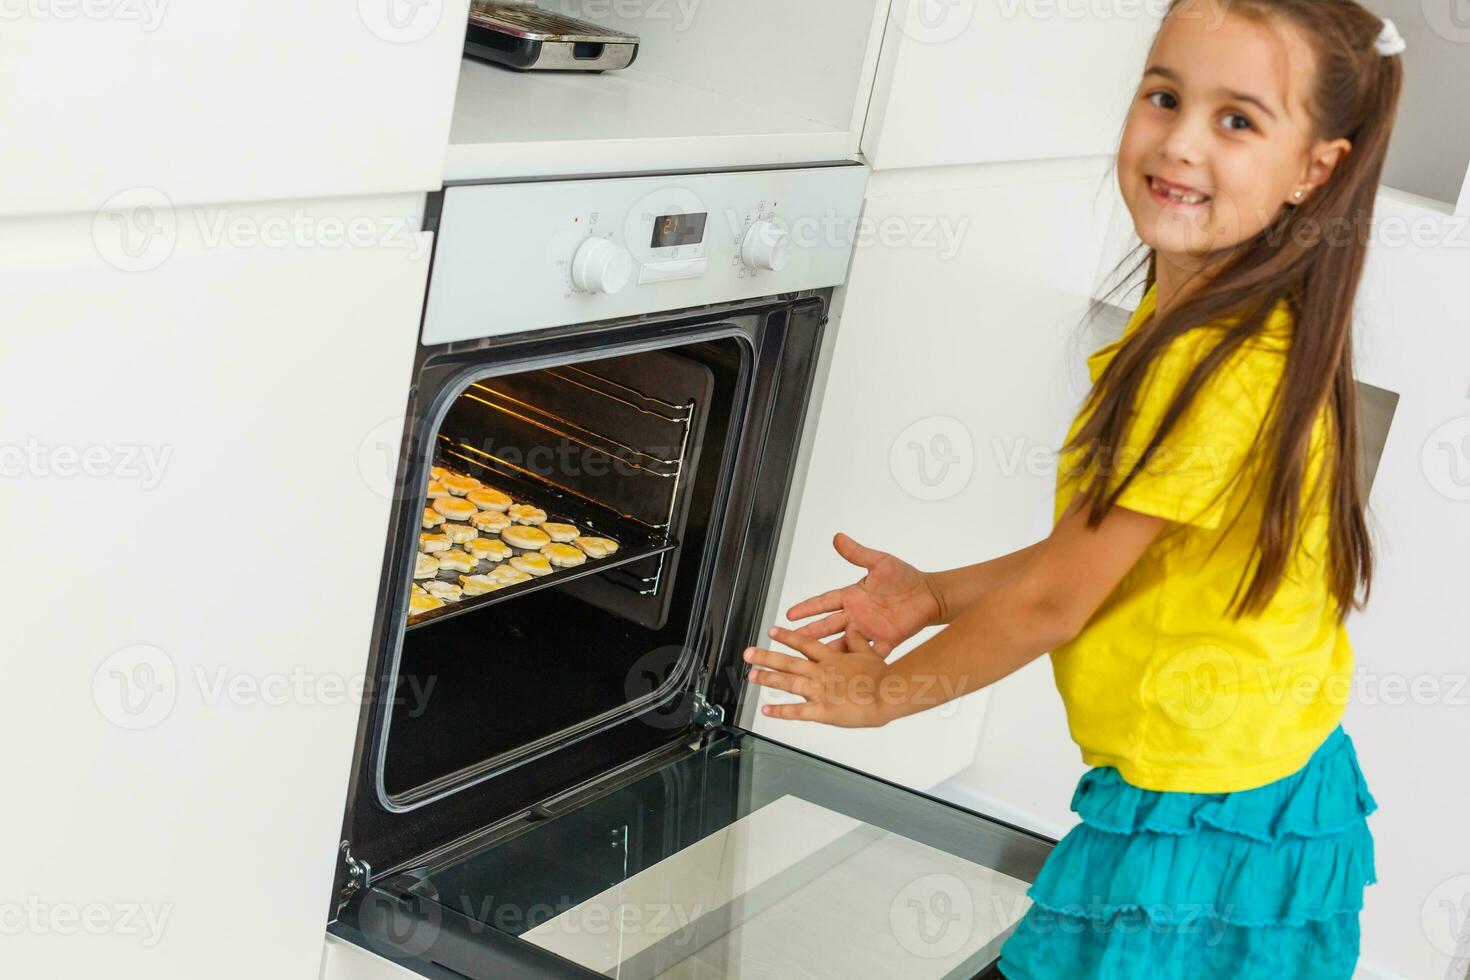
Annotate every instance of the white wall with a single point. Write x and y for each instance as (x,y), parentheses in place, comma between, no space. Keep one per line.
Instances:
(1430,149)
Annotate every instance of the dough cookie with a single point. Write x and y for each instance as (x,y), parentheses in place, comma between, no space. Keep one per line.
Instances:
(506,575)
(532,564)
(596,547)
(561,532)
(454,508)
(423,603)
(563,555)
(489,549)
(490,521)
(455,560)
(529,538)
(459,533)
(527,514)
(430,543)
(459,485)
(443,590)
(479,584)
(488,498)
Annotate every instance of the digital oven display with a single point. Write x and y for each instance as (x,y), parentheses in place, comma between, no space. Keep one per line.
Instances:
(678,229)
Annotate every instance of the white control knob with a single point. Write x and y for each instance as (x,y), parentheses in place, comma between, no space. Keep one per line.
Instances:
(766,246)
(601,267)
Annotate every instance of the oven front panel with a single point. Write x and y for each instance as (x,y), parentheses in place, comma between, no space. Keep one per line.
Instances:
(418,785)
(588,250)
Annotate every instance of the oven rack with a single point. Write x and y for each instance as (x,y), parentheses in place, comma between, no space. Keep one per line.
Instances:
(521,407)
(507,404)
(635,540)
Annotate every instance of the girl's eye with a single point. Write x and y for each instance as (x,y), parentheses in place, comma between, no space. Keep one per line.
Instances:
(1165,95)
(1236,115)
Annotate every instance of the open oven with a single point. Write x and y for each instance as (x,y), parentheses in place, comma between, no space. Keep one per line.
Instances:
(552,778)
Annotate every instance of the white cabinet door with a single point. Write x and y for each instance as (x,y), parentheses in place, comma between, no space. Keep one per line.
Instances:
(961,81)
(946,395)
(344,961)
(194,503)
(209,102)
(1410,686)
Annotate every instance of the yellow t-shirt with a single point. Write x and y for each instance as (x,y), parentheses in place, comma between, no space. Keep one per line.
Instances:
(1162,683)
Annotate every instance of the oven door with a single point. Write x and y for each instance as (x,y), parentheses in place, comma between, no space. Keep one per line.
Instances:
(675,843)
(733,856)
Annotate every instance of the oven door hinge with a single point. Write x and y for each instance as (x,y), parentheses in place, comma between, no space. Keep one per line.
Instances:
(359,873)
(704,714)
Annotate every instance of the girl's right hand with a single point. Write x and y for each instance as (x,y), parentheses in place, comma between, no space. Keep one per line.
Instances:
(888,605)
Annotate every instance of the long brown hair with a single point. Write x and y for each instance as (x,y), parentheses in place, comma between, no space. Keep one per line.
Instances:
(1355,96)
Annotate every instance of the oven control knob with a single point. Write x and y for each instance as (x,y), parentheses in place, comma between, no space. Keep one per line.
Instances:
(767,246)
(601,267)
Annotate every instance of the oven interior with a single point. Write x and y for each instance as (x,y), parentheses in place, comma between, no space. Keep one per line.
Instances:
(631,447)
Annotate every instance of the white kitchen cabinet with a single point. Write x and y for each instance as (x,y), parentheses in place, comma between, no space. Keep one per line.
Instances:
(946,396)
(966,82)
(1409,685)
(717,85)
(345,961)
(201,103)
(181,428)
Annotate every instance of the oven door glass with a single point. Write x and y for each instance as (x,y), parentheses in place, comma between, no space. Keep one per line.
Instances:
(742,858)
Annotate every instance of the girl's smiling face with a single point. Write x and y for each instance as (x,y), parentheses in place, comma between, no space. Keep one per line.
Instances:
(1219,137)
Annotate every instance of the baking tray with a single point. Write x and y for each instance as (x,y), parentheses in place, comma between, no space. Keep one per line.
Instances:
(636,541)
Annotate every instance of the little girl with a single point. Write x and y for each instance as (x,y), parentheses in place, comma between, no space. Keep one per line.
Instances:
(1209,534)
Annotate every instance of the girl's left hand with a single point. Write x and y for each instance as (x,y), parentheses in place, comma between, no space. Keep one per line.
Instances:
(842,683)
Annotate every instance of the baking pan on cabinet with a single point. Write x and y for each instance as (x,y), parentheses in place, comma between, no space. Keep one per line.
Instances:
(524,37)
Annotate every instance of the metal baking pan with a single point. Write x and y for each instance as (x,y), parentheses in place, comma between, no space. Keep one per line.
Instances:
(524,37)
(635,541)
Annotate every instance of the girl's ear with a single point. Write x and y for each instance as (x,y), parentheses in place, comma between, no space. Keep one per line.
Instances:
(1322,161)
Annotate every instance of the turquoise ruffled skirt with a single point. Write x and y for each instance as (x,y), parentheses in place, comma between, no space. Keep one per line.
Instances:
(1266,882)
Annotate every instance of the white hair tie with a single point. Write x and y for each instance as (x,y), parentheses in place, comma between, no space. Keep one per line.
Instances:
(1389,41)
